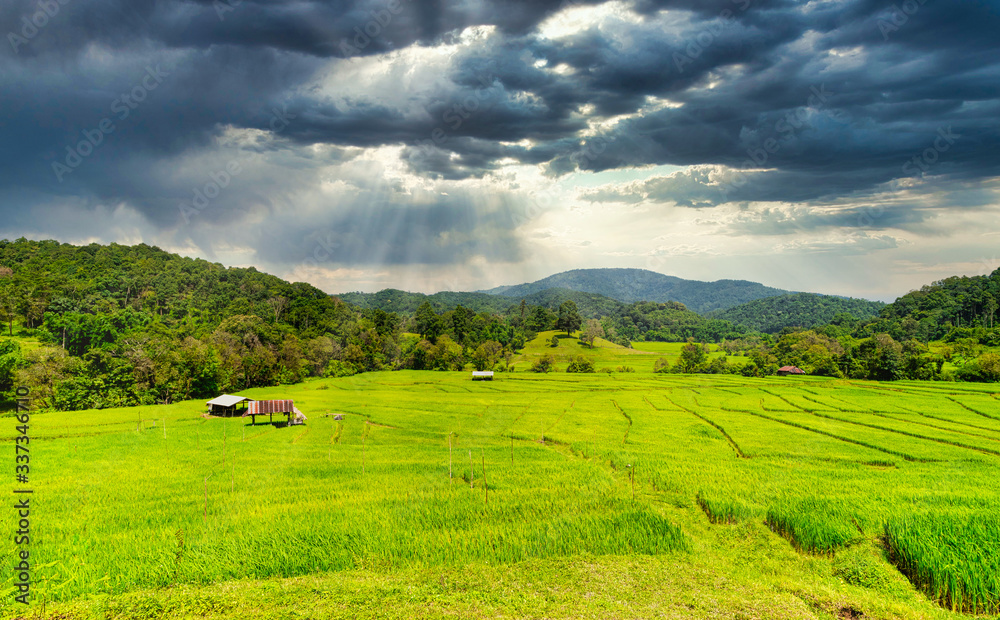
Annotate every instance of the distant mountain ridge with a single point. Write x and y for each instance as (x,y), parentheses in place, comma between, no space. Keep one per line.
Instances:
(590,305)
(806,310)
(632,285)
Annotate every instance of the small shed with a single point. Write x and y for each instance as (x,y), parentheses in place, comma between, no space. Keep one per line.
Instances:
(227,404)
(482,375)
(269,408)
(790,370)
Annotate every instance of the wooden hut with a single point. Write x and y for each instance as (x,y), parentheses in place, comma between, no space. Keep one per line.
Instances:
(482,375)
(790,370)
(227,405)
(269,408)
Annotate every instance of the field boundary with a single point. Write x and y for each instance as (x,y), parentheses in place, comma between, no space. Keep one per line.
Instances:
(846,439)
(732,442)
(914,435)
(627,417)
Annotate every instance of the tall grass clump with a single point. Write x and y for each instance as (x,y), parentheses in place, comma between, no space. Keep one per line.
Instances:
(954,559)
(722,510)
(813,525)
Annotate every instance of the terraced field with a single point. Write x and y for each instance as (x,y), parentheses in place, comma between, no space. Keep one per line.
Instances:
(710,496)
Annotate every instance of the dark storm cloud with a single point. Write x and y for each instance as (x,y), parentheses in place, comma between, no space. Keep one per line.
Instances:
(814,101)
(382,230)
(794,221)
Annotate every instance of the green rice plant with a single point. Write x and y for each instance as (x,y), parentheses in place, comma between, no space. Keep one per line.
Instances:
(954,559)
(813,525)
(724,510)
(299,501)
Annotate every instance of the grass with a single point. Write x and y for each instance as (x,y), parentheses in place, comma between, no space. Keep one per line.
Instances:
(606,355)
(954,558)
(609,495)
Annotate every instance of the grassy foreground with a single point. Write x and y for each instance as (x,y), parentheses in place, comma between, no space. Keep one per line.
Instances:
(615,495)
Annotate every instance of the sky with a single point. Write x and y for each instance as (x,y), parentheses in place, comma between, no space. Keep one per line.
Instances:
(846,146)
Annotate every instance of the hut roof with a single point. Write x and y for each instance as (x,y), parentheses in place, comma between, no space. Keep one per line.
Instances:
(258,407)
(792,370)
(226,400)
(482,373)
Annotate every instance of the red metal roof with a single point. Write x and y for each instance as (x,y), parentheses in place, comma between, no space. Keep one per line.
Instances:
(258,407)
(795,370)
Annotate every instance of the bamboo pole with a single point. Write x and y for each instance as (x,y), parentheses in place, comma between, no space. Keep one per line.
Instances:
(205,517)
(486,485)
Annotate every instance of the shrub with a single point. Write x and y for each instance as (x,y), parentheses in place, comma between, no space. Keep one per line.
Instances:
(625,369)
(338,368)
(554,342)
(580,364)
(543,364)
(661,365)
(985,368)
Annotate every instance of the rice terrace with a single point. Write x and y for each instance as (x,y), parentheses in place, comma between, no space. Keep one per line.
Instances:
(606,495)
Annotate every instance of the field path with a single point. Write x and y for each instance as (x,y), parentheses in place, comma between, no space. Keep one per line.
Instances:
(732,442)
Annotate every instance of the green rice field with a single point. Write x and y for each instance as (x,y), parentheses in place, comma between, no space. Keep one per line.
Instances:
(605,495)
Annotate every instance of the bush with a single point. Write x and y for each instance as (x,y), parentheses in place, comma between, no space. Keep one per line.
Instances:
(625,369)
(554,342)
(338,368)
(580,364)
(661,365)
(543,364)
(985,368)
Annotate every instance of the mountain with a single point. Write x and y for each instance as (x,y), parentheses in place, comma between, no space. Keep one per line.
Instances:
(631,285)
(772,314)
(590,305)
(955,307)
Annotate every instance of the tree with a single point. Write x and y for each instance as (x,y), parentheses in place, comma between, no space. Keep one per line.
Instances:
(580,364)
(543,364)
(427,322)
(461,319)
(554,342)
(592,331)
(8,300)
(990,307)
(540,320)
(487,355)
(692,359)
(278,306)
(569,317)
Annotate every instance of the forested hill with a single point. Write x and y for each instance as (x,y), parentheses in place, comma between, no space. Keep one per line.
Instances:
(590,305)
(124,325)
(772,314)
(946,307)
(632,285)
(47,282)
